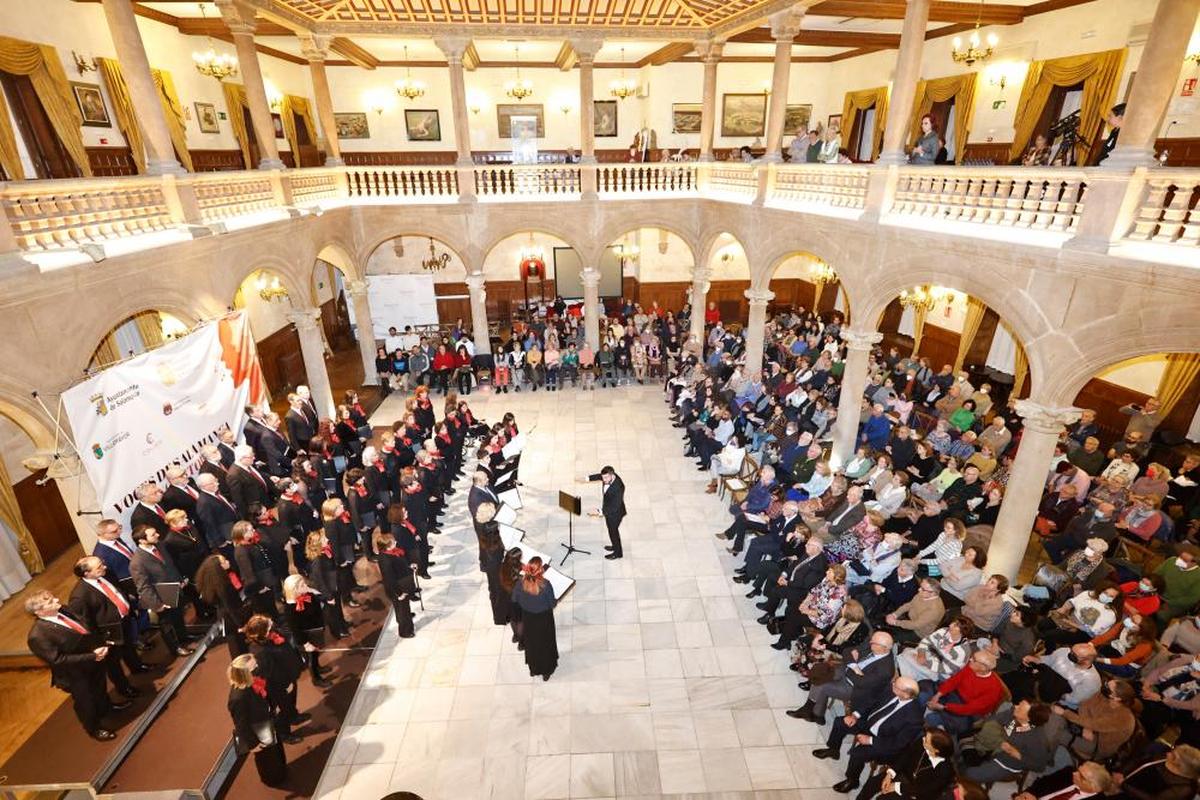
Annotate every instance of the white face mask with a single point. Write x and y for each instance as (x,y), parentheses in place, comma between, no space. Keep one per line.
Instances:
(1105,599)
(1182,564)
(1146,587)
(1129,623)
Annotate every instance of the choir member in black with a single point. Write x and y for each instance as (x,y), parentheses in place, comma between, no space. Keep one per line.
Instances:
(345,434)
(535,596)
(379,484)
(184,543)
(424,409)
(274,536)
(302,612)
(508,425)
(102,607)
(297,519)
(339,536)
(321,456)
(415,499)
(303,471)
(322,575)
(475,427)
(362,508)
(398,580)
(491,556)
(221,587)
(391,457)
(253,722)
(358,415)
(432,469)
(410,538)
(260,582)
(280,664)
(510,573)
(450,450)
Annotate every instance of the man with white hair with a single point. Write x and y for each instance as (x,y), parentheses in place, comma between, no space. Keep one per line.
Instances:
(147,511)
(215,513)
(247,485)
(180,494)
(889,726)
(277,452)
(308,407)
(299,425)
(212,463)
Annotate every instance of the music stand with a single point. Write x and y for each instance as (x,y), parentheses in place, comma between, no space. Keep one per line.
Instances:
(573,505)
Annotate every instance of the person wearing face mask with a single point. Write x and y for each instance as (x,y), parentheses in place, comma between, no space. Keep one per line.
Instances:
(1086,615)
(1102,724)
(1182,579)
(1022,743)
(1126,647)
(1097,524)
(1171,696)
(1143,595)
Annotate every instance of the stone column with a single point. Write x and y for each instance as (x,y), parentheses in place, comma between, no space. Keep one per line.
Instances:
(1154,84)
(312,348)
(479,320)
(316,50)
(785,26)
(127,40)
(1010,538)
(454,47)
(904,84)
(854,383)
(700,284)
(240,21)
(591,306)
(756,328)
(366,330)
(710,54)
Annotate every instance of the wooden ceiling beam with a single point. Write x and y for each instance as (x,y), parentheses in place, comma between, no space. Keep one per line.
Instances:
(818,38)
(195,26)
(665,55)
(939,11)
(355,54)
(1047,6)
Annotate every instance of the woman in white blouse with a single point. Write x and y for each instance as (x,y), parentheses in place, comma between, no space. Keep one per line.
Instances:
(940,654)
(830,146)
(962,574)
(891,496)
(1085,616)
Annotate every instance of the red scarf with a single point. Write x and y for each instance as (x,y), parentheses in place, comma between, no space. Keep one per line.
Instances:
(358,407)
(333,437)
(253,538)
(259,687)
(393,551)
(312,473)
(294,498)
(327,550)
(344,516)
(274,638)
(302,601)
(362,490)
(380,466)
(234,580)
(412,528)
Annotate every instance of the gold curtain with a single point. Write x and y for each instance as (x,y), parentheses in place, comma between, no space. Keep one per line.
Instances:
(127,122)
(974,316)
(235,101)
(817,287)
(40,62)
(1020,363)
(176,118)
(298,106)
(962,89)
(1181,371)
(149,325)
(1099,72)
(10,514)
(857,103)
(919,314)
(107,352)
(10,157)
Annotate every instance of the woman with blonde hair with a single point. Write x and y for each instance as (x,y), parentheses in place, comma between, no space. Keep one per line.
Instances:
(398,581)
(535,597)
(323,573)
(302,611)
(340,537)
(253,722)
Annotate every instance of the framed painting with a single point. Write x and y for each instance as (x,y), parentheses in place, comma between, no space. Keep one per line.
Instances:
(744,115)
(277,124)
(686,117)
(352,125)
(604,118)
(835,121)
(506,111)
(91,104)
(206,116)
(796,119)
(422,125)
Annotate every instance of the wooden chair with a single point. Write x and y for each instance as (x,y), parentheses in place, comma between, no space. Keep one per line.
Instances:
(739,485)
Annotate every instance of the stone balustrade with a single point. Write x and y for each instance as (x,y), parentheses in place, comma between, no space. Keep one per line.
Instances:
(1154,209)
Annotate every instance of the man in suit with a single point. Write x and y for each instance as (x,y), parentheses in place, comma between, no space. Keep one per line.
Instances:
(147,511)
(225,447)
(308,407)
(758,500)
(278,461)
(215,514)
(858,682)
(480,493)
(845,515)
(74,654)
(1088,779)
(892,723)
(180,494)
(300,429)
(247,485)
(116,555)
(211,463)
(612,507)
(252,431)
(769,545)
(795,584)
(151,567)
(102,607)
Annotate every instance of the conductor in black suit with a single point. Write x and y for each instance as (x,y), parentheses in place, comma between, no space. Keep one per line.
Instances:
(75,655)
(613,508)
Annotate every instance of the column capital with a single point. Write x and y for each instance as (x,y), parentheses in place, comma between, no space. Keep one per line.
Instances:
(475,281)
(238,18)
(701,274)
(1046,419)
(860,340)
(785,25)
(586,49)
(356,287)
(709,50)
(315,47)
(759,297)
(590,278)
(305,319)
(453,47)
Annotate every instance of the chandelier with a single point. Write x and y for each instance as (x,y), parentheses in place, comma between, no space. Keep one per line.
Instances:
(623,87)
(975,51)
(435,262)
(407,87)
(821,274)
(625,251)
(211,63)
(922,298)
(520,88)
(271,290)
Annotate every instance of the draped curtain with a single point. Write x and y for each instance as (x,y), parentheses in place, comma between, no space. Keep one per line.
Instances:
(40,62)
(298,106)
(962,89)
(919,314)
(1020,364)
(149,325)
(11,519)
(1099,72)
(857,103)
(176,117)
(974,316)
(127,122)
(1181,371)
(235,101)
(107,352)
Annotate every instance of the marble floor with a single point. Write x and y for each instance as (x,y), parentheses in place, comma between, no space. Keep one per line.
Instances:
(666,686)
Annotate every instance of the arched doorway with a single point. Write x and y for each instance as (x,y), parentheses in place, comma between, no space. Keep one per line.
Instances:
(136,334)
(657,266)
(804,280)
(728,279)
(405,261)
(329,292)
(268,298)
(509,293)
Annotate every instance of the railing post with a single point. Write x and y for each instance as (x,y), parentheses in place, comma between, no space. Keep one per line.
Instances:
(8,240)
(180,197)
(1109,208)
(341,179)
(281,187)
(588,183)
(765,173)
(881,191)
(466,183)
(703,176)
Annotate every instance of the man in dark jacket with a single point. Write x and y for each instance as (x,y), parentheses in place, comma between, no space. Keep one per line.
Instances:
(859,682)
(1096,524)
(892,723)
(613,508)
(103,608)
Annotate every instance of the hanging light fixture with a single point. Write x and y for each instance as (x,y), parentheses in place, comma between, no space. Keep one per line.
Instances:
(623,87)
(211,63)
(435,262)
(627,251)
(922,297)
(975,51)
(407,87)
(520,88)
(532,251)
(270,290)
(821,273)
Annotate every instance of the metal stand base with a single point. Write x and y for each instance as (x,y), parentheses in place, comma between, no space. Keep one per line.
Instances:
(570,542)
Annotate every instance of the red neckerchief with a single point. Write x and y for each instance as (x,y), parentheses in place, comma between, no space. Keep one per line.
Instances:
(312,473)
(388,450)
(268,516)
(358,407)
(424,402)
(274,638)
(379,465)
(444,436)
(394,551)
(344,516)
(411,528)
(293,498)
(407,441)
(327,550)
(333,437)
(234,580)
(259,687)
(302,601)
(253,538)
(362,490)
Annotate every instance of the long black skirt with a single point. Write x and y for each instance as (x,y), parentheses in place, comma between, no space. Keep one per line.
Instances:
(502,604)
(541,643)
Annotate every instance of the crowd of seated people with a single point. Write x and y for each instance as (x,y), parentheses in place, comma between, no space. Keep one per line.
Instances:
(939,678)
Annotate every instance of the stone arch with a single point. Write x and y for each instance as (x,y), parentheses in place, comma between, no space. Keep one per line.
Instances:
(609,233)
(672,231)
(779,260)
(443,238)
(169,301)
(339,255)
(838,252)
(508,231)
(26,415)
(712,244)
(285,271)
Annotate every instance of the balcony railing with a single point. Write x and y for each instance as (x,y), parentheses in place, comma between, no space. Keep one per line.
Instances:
(1043,207)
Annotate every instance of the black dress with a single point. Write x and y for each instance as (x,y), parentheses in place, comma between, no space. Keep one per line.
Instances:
(501,600)
(323,576)
(398,583)
(252,724)
(306,622)
(280,665)
(538,636)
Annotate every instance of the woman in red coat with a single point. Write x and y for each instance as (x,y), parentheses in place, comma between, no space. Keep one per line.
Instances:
(711,315)
(444,363)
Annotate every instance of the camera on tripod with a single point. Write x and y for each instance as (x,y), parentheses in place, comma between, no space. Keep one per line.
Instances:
(1066,130)
(1068,124)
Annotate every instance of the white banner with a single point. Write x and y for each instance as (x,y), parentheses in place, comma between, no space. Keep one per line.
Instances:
(135,419)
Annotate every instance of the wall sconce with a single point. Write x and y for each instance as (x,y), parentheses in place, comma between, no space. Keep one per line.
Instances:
(475,101)
(565,108)
(84,65)
(766,87)
(1193,57)
(274,97)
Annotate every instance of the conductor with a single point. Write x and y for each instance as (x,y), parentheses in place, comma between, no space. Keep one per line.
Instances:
(613,508)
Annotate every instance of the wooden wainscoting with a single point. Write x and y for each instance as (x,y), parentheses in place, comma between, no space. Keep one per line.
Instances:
(995,152)
(1181,152)
(217,160)
(111,162)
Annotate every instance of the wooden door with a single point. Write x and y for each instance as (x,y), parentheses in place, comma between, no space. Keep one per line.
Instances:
(50,158)
(46,516)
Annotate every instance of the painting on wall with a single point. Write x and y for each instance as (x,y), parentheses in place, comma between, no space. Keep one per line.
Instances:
(604,118)
(796,119)
(685,117)
(744,115)
(422,125)
(506,111)
(206,115)
(835,121)
(91,104)
(277,124)
(352,125)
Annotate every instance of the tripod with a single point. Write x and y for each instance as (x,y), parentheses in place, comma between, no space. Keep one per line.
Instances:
(572,510)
